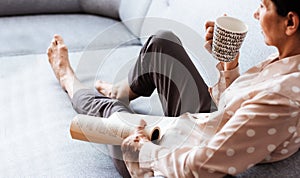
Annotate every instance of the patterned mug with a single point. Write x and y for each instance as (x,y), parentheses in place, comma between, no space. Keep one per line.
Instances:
(229,34)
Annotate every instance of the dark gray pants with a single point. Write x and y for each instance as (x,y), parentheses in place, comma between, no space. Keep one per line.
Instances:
(163,64)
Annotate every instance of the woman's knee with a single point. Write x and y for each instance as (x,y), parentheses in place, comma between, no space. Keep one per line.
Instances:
(165,36)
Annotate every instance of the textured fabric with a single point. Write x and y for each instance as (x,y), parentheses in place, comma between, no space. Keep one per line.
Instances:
(25,7)
(285,168)
(257,122)
(32,34)
(35,116)
(108,8)
(90,102)
(132,14)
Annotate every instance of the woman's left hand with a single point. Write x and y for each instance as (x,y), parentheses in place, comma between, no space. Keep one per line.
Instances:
(131,147)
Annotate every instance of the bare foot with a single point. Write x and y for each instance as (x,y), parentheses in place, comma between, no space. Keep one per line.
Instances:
(120,91)
(59,61)
(106,89)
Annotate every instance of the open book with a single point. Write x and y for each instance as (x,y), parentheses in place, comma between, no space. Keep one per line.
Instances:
(117,127)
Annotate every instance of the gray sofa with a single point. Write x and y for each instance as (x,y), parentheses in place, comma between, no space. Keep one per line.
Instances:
(104,38)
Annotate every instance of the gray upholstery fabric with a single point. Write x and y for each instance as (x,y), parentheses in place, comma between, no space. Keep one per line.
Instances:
(132,14)
(35,116)
(286,168)
(32,34)
(25,7)
(109,8)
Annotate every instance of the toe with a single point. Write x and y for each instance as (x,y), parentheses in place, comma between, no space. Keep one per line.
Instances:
(49,51)
(53,42)
(58,39)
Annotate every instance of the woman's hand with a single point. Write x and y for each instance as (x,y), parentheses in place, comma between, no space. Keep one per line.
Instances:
(209,27)
(131,147)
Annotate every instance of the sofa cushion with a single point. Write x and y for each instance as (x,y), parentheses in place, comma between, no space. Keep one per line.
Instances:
(33,34)
(108,8)
(25,7)
(132,14)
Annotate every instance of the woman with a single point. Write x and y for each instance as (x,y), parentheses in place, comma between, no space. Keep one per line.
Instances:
(259,111)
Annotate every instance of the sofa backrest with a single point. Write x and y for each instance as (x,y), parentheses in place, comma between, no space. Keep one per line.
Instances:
(28,7)
(109,8)
(132,14)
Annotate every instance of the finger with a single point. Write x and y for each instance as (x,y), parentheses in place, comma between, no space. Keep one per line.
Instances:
(49,51)
(208,46)
(53,42)
(209,34)
(126,144)
(209,24)
(140,128)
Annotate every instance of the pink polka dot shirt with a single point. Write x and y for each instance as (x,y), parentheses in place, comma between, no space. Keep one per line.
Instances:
(257,121)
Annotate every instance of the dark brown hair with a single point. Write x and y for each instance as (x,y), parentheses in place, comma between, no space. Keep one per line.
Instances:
(286,6)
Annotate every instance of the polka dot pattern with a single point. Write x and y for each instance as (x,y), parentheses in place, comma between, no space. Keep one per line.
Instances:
(295,89)
(231,170)
(272,131)
(277,88)
(286,143)
(250,149)
(250,133)
(259,129)
(284,151)
(230,152)
(271,147)
(292,129)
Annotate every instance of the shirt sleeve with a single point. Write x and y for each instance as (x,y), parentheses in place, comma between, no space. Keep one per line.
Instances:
(253,133)
(225,79)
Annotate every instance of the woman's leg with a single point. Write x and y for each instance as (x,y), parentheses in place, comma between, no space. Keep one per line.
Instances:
(84,100)
(164,64)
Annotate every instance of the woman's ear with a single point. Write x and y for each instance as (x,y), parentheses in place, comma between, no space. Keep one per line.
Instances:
(292,23)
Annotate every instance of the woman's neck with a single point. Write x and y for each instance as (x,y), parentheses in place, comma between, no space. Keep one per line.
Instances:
(291,47)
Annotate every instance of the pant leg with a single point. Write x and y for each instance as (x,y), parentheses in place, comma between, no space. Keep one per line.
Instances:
(163,64)
(90,102)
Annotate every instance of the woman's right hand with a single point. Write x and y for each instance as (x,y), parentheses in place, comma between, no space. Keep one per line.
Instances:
(209,27)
